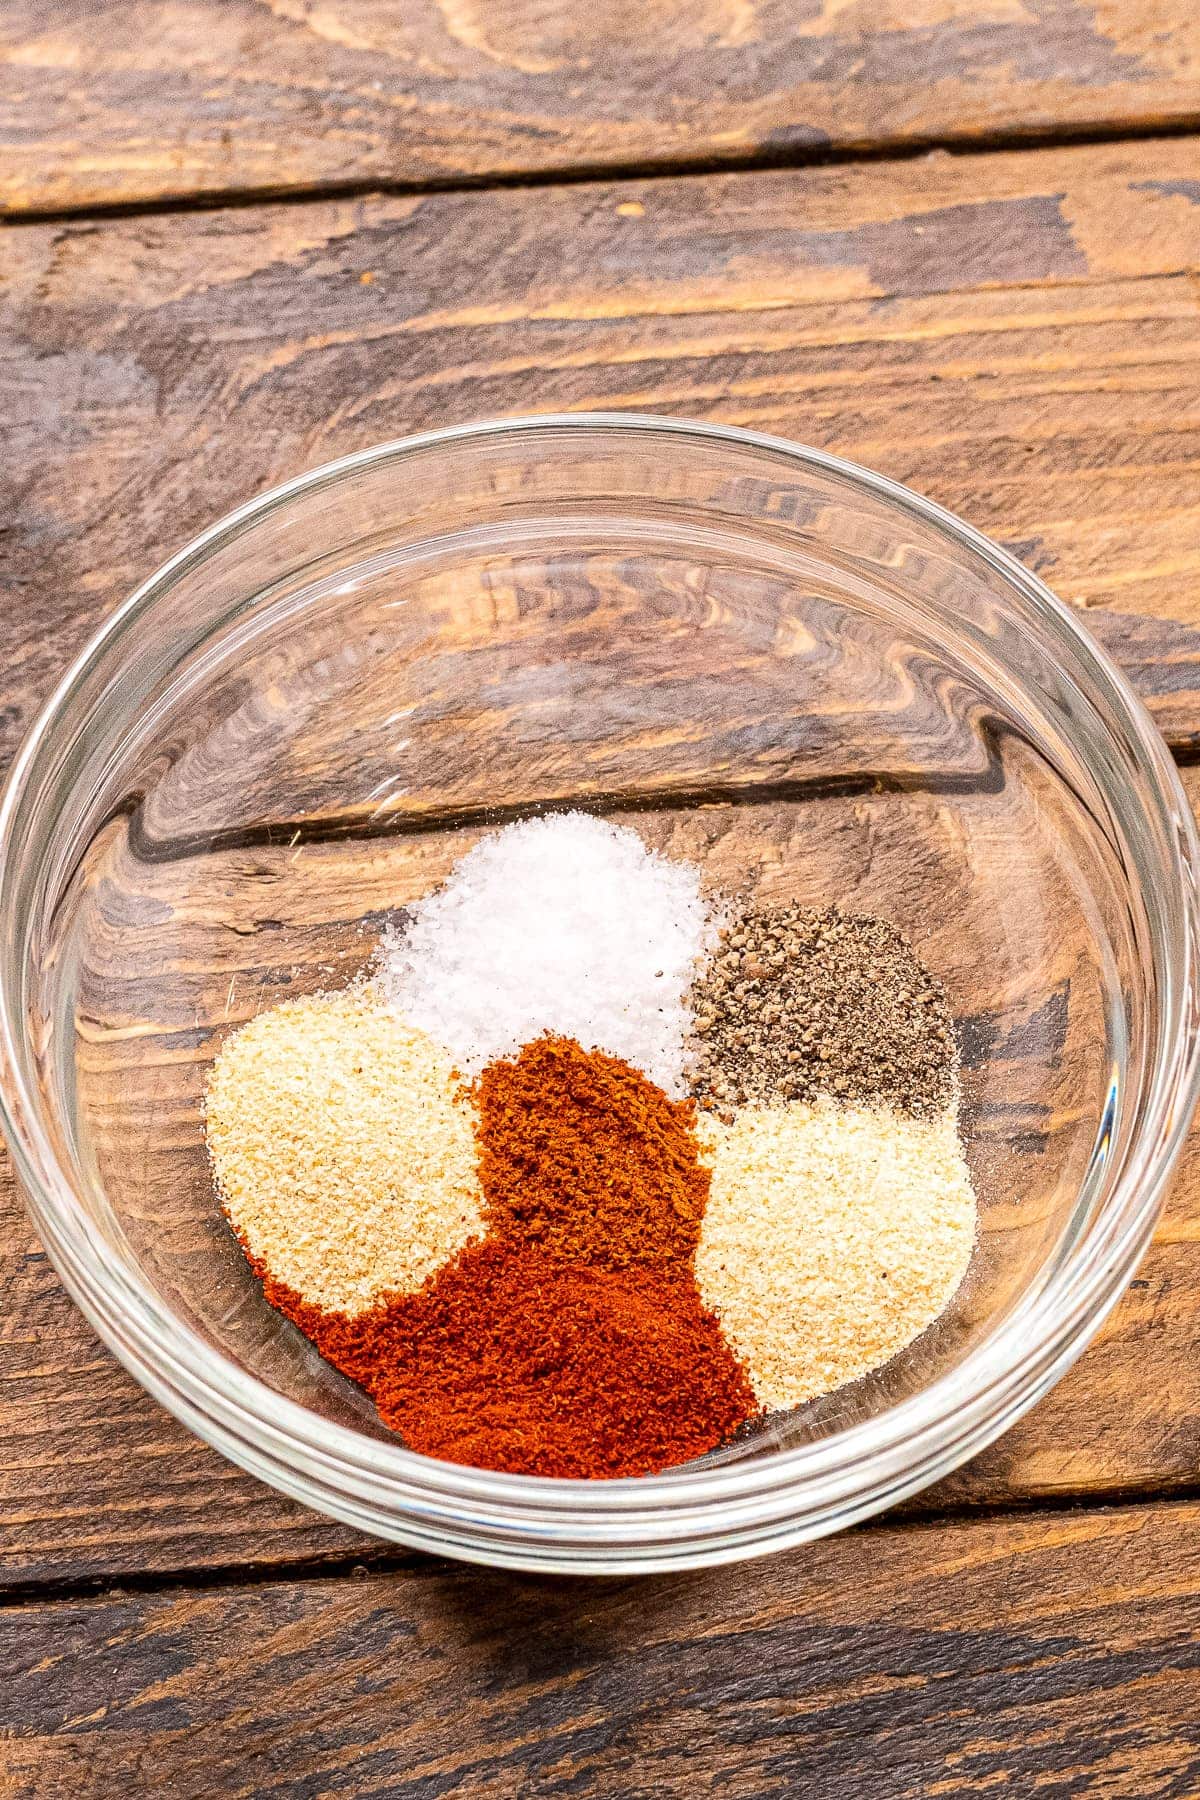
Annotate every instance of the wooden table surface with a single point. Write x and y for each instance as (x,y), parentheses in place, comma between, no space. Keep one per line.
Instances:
(958,240)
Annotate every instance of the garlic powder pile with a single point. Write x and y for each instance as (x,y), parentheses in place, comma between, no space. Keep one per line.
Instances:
(343,1150)
(832,1238)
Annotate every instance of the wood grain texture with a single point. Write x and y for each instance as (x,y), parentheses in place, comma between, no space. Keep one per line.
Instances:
(98,1481)
(95,1478)
(1017,336)
(202,97)
(1049,1655)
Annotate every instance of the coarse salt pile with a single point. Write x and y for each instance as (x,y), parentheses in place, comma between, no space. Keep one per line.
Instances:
(561,924)
(343,1150)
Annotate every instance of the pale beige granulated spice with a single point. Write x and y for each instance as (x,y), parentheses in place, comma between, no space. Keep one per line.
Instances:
(343,1149)
(832,1238)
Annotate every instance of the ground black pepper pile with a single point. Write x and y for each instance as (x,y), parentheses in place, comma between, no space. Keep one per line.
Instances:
(797,1003)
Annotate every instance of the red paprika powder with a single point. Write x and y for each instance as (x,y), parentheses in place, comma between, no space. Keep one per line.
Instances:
(571,1340)
(512,1359)
(583,1156)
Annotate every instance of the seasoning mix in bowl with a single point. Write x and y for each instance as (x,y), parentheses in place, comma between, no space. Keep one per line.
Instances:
(480,1182)
(595,993)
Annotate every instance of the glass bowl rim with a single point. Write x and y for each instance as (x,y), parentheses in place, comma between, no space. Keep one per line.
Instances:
(983,1394)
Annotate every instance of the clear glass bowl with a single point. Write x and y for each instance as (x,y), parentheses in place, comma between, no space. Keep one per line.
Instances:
(800,674)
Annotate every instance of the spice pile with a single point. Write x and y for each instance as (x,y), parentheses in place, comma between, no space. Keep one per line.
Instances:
(595,1170)
(797,1003)
(832,1238)
(561,924)
(346,1156)
(571,1338)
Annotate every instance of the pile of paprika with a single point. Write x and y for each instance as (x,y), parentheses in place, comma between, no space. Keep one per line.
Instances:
(571,1339)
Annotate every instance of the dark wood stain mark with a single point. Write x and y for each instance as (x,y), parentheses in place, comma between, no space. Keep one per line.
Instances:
(1037,1037)
(1032,551)
(956,246)
(1042,1652)
(1185,190)
(222,97)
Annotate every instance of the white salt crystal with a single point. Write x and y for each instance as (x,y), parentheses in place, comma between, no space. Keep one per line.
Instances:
(563,924)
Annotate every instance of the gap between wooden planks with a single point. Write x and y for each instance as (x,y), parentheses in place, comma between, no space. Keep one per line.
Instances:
(199,98)
(1015,335)
(98,1481)
(1056,1654)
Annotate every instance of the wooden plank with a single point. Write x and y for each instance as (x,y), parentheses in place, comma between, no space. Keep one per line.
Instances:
(1015,335)
(98,1481)
(1043,1654)
(95,1478)
(204,97)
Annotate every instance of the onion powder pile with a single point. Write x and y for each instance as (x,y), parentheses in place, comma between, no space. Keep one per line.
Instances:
(833,1237)
(343,1151)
